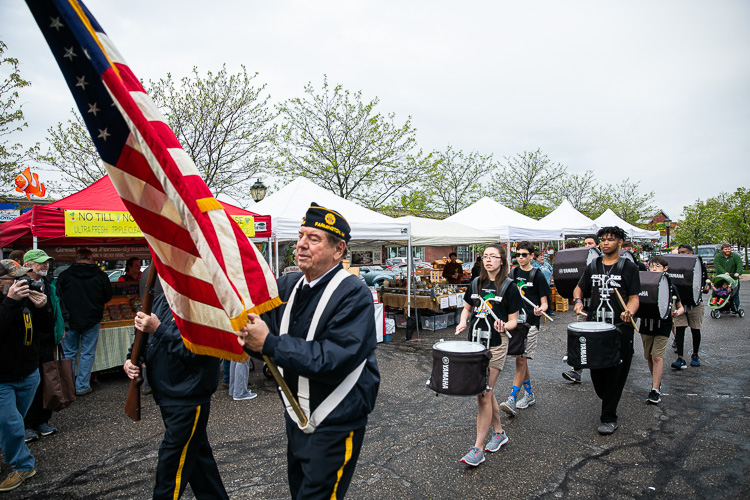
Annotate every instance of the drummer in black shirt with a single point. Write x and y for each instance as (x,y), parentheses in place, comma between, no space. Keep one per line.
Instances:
(603,279)
(491,278)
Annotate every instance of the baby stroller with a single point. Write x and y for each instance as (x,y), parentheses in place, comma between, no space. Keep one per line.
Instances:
(718,304)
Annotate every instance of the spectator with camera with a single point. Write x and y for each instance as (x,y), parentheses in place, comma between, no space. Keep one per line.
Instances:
(38,262)
(24,313)
(85,289)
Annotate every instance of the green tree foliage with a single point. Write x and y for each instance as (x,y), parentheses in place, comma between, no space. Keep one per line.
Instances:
(699,223)
(223,122)
(625,199)
(577,189)
(12,155)
(457,180)
(342,144)
(525,182)
(71,152)
(737,219)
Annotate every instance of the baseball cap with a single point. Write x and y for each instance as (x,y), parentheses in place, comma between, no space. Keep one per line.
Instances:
(11,269)
(38,256)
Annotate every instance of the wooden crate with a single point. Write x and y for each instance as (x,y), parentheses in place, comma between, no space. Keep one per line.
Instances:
(561,304)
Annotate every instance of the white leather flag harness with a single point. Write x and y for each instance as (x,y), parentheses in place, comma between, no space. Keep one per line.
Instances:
(303,386)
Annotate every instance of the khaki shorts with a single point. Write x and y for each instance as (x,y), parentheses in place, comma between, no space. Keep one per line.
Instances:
(499,354)
(654,345)
(693,317)
(531,339)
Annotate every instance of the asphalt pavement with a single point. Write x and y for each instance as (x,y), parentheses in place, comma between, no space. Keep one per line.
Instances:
(695,444)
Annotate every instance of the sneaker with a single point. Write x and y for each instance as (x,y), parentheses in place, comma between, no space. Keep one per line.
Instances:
(695,360)
(474,457)
(679,364)
(653,397)
(509,406)
(45,429)
(526,400)
(572,376)
(15,478)
(30,436)
(497,440)
(608,428)
(83,393)
(252,395)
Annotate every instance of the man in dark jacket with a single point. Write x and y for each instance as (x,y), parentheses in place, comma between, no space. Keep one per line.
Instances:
(85,289)
(324,340)
(23,314)
(182,384)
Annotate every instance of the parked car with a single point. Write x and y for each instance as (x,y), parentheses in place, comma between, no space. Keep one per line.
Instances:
(707,252)
(375,275)
(114,274)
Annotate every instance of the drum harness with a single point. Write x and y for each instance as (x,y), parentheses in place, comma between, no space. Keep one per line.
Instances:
(603,281)
(303,387)
(478,334)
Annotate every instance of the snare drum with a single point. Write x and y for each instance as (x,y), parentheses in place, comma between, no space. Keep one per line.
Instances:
(459,368)
(654,297)
(569,267)
(593,344)
(686,273)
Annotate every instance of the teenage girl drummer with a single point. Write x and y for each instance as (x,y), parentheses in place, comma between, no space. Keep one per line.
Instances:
(491,277)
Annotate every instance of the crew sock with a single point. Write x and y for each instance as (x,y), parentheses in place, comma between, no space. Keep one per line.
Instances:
(527,386)
(514,392)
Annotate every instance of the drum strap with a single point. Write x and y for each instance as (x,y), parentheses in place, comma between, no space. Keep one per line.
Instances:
(303,387)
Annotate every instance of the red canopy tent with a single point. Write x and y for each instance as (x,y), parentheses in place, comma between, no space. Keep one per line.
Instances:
(47,222)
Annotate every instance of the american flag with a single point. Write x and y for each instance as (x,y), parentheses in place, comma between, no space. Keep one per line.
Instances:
(211,273)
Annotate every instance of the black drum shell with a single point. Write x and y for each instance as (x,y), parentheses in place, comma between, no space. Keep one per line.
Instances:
(569,267)
(654,299)
(601,348)
(686,274)
(459,373)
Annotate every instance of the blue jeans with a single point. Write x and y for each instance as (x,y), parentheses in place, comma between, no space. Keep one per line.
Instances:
(87,340)
(15,400)
(238,375)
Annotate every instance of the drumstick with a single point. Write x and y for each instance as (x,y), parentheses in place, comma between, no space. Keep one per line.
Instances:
(534,305)
(617,292)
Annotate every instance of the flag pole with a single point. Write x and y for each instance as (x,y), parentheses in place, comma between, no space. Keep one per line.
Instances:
(287,392)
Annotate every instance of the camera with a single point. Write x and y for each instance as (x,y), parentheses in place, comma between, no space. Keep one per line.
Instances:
(37,287)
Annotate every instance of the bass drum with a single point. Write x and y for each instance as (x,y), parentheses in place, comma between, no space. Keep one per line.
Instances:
(593,344)
(654,297)
(459,368)
(686,274)
(569,267)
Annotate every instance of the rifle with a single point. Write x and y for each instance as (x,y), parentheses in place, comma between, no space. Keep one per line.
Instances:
(133,401)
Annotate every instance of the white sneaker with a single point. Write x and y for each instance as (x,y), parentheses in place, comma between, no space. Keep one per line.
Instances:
(525,401)
(252,395)
(509,406)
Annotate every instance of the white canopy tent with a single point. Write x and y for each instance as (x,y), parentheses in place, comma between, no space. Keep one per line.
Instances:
(288,206)
(505,224)
(609,218)
(572,222)
(433,232)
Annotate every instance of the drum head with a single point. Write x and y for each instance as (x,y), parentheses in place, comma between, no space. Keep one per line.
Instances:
(663,297)
(590,326)
(458,346)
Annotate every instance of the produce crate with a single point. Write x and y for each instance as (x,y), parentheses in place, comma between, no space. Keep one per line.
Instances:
(561,304)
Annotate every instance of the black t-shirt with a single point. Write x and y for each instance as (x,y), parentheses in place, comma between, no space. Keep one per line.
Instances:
(532,291)
(660,327)
(602,283)
(510,304)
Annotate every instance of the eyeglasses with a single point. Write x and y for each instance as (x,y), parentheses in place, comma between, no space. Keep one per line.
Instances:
(524,255)
(490,257)
(656,267)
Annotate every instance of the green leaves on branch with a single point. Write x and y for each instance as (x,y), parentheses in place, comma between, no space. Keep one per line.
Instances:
(223,122)
(341,143)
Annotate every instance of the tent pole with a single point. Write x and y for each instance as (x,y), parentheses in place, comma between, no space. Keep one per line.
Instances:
(35,243)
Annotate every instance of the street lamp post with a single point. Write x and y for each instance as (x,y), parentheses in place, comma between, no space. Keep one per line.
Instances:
(258,190)
(668,224)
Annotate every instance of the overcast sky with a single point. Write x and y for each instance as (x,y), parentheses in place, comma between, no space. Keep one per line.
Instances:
(657,91)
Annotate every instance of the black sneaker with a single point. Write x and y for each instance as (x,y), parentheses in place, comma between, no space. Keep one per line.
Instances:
(30,436)
(653,397)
